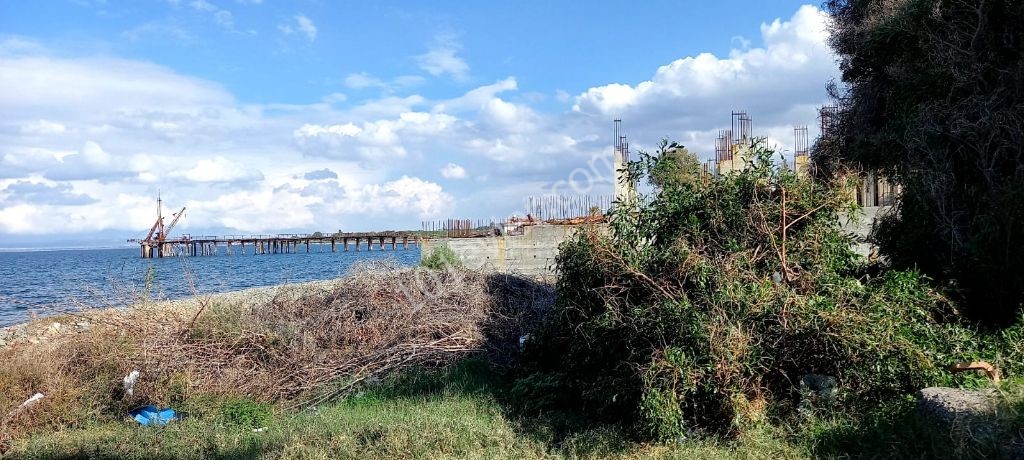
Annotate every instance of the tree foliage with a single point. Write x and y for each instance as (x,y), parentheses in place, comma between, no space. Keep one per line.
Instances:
(933,98)
(708,303)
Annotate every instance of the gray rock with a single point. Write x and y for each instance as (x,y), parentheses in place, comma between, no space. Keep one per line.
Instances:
(954,406)
(969,422)
(817,392)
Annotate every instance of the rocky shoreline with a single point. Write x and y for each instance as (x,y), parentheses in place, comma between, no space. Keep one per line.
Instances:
(46,328)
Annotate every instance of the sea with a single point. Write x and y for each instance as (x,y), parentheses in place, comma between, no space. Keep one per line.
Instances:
(45,282)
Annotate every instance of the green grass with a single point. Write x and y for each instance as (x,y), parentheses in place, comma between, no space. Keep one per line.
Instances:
(463,412)
(453,414)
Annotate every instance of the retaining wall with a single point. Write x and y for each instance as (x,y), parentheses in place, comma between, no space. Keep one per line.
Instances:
(533,253)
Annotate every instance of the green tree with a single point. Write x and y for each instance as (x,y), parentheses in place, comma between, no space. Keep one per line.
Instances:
(678,167)
(933,98)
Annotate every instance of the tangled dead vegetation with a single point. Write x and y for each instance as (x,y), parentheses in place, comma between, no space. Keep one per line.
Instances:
(297,346)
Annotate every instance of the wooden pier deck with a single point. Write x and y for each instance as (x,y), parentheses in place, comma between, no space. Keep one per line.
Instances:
(274,244)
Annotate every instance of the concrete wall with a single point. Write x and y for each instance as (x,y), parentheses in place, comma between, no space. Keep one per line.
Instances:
(862,225)
(531,254)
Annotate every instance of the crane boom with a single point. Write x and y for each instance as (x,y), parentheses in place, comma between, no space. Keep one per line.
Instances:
(174,222)
(152,229)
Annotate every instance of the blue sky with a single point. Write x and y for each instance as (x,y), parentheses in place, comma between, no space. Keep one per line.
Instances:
(265,116)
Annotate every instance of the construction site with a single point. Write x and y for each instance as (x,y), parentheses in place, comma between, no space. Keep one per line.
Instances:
(524,244)
(528,245)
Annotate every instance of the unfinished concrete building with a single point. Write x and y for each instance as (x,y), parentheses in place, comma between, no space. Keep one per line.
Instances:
(625,189)
(732,147)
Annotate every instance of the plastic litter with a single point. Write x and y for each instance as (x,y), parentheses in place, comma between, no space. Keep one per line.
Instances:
(152,416)
(25,405)
(129,382)
(522,341)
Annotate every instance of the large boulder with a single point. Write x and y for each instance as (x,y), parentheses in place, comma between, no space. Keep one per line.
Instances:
(969,423)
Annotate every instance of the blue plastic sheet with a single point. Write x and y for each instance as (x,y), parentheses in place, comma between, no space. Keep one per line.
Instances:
(152,416)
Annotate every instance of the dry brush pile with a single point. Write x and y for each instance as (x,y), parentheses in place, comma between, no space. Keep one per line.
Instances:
(298,346)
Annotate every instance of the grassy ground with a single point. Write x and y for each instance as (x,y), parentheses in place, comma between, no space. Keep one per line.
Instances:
(454,414)
(463,413)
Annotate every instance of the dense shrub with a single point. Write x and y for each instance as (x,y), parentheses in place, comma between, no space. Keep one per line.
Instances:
(441,257)
(933,97)
(713,307)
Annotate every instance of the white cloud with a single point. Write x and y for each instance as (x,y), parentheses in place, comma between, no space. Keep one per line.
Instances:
(306,26)
(363,80)
(372,140)
(334,98)
(222,17)
(43,127)
(477,98)
(791,67)
(300,24)
(298,207)
(453,171)
(443,59)
(78,87)
(225,19)
(405,195)
(202,5)
(219,169)
(117,130)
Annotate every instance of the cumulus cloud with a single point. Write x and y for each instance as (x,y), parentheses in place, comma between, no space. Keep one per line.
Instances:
(78,87)
(114,131)
(43,127)
(373,140)
(39,193)
(90,162)
(790,68)
(218,170)
(221,16)
(300,24)
(443,59)
(293,207)
(405,195)
(453,171)
(362,80)
(320,174)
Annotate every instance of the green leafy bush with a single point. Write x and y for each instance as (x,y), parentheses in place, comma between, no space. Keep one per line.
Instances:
(931,97)
(441,257)
(709,303)
(245,412)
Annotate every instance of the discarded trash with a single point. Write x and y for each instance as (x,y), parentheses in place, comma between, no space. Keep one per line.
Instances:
(522,341)
(129,382)
(150,415)
(259,430)
(25,405)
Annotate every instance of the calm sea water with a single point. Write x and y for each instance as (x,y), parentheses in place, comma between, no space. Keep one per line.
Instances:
(45,282)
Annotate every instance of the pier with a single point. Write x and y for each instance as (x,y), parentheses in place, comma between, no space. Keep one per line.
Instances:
(274,244)
(157,242)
